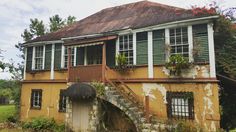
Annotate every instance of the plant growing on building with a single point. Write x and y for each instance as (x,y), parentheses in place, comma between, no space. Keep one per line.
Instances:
(176,64)
(122,63)
(100,88)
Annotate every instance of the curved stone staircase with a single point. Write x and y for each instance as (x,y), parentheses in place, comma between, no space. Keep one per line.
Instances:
(125,100)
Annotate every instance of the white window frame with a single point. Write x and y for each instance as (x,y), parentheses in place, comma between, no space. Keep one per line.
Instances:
(36,99)
(182,44)
(128,47)
(36,57)
(64,62)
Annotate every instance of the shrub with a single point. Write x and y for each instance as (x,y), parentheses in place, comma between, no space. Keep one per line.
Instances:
(176,64)
(43,124)
(100,88)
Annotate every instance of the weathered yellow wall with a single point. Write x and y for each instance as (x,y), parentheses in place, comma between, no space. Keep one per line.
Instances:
(206,103)
(138,72)
(60,74)
(38,75)
(50,101)
(141,72)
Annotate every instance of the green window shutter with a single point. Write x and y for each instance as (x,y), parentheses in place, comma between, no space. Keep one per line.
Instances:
(29,58)
(111,53)
(48,55)
(57,58)
(200,43)
(159,47)
(142,48)
(80,56)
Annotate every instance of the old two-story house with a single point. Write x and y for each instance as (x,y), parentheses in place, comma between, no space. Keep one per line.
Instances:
(147,34)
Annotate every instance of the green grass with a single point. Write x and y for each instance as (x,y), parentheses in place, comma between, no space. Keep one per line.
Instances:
(6,111)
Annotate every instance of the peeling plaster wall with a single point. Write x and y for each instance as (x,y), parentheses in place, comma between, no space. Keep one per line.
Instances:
(206,104)
(198,71)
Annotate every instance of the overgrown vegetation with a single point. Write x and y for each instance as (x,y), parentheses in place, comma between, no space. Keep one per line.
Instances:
(122,64)
(43,124)
(100,88)
(176,64)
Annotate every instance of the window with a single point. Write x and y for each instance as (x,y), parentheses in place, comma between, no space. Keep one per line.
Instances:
(180,105)
(38,58)
(66,57)
(126,47)
(179,41)
(62,102)
(36,98)
(94,55)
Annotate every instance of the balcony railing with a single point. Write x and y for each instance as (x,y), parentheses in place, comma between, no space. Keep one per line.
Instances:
(86,73)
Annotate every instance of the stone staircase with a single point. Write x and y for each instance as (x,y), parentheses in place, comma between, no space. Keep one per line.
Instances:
(132,107)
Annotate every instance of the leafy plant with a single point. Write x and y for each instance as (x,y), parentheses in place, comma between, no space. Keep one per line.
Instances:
(100,88)
(176,64)
(122,63)
(43,124)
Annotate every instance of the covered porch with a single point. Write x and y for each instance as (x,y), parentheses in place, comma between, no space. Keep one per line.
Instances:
(89,57)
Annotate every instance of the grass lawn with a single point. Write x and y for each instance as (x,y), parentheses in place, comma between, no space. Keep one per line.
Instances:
(6,111)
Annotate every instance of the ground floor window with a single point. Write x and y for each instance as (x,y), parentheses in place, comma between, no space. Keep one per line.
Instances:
(180,105)
(36,98)
(62,102)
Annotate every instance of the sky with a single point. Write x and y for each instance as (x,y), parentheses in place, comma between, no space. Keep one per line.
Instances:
(15,16)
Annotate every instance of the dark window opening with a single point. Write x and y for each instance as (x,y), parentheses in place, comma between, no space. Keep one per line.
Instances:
(36,98)
(62,102)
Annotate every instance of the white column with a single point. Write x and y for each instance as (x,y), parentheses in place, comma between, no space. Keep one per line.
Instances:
(52,61)
(85,56)
(44,47)
(150,55)
(167,41)
(117,47)
(190,42)
(75,52)
(211,50)
(25,64)
(62,56)
(134,49)
(33,59)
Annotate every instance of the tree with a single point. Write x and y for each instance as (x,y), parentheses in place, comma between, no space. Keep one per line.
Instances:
(56,22)
(37,28)
(70,20)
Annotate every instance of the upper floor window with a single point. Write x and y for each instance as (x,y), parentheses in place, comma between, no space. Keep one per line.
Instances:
(126,47)
(94,55)
(66,57)
(38,58)
(180,105)
(179,41)
(36,98)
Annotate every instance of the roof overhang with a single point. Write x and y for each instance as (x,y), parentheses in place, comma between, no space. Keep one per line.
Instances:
(89,41)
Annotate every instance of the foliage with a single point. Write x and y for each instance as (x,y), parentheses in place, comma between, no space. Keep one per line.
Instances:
(100,88)
(56,22)
(70,20)
(7,112)
(176,64)
(43,124)
(122,65)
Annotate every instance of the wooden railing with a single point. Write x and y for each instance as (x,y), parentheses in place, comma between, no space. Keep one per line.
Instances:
(85,73)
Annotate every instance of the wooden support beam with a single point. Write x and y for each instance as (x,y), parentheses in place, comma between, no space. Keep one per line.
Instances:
(147,111)
(103,62)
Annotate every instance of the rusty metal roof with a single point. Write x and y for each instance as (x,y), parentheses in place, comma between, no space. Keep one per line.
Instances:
(134,15)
